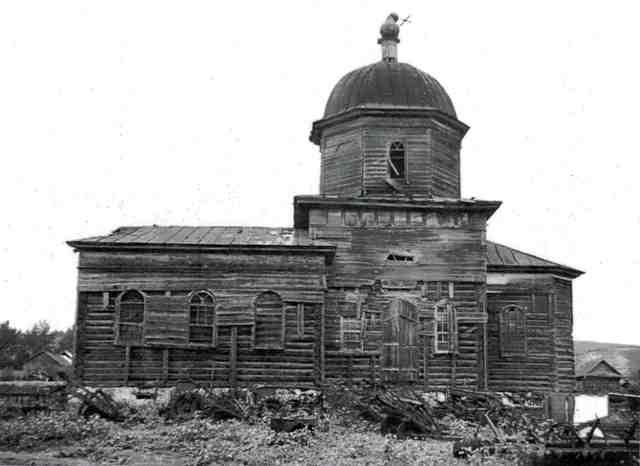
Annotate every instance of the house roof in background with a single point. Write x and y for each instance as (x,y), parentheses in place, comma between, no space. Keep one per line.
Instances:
(60,359)
(597,368)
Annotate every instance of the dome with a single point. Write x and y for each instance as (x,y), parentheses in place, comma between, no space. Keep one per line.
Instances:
(388,84)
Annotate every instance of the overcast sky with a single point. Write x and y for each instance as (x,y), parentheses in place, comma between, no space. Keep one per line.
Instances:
(132,113)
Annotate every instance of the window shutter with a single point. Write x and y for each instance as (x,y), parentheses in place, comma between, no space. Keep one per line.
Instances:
(269,321)
(166,320)
(453,328)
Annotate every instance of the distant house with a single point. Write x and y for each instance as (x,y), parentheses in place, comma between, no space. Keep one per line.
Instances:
(597,377)
(48,364)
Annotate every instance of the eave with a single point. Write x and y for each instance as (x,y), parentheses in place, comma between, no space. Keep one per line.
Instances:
(325,250)
(559,270)
(382,111)
(303,203)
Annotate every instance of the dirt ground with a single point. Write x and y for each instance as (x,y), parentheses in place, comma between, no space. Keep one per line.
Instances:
(203,442)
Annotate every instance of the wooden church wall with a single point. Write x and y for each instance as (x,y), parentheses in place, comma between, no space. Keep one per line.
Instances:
(354,156)
(165,356)
(547,362)
(461,368)
(444,245)
(341,163)
(565,366)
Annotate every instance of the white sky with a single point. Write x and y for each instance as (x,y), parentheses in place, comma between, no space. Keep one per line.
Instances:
(129,113)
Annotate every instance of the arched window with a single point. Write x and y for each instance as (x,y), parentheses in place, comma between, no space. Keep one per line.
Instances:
(513,331)
(445,335)
(269,323)
(130,317)
(201,318)
(397,161)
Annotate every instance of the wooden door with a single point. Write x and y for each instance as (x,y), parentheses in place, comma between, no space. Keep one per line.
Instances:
(399,347)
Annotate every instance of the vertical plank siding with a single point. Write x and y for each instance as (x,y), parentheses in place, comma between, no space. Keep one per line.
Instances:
(354,157)
(563,315)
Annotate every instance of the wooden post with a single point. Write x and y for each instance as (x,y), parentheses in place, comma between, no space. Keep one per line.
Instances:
(425,362)
(127,360)
(485,356)
(77,332)
(453,370)
(165,365)
(553,304)
(372,369)
(233,358)
(322,332)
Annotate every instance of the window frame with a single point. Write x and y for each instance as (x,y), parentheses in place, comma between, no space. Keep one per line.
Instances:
(344,322)
(390,161)
(283,316)
(503,326)
(118,318)
(451,329)
(212,326)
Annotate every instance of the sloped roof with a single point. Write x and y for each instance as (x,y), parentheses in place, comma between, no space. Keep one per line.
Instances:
(200,236)
(501,258)
(61,360)
(598,368)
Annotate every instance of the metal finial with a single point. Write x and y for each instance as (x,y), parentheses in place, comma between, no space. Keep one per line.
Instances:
(389,32)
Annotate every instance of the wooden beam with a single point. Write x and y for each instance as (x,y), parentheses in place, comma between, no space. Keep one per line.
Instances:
(233,359)
(127,364)
(165,365)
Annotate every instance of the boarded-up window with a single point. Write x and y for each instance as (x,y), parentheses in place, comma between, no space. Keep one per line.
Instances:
(202,318)
(445,338)
(351,334)
(130,317)
(269,321)
(396,161)
(513,331)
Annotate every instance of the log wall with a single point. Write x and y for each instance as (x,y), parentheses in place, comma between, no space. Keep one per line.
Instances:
(165,356)
(547,364)
(446,248)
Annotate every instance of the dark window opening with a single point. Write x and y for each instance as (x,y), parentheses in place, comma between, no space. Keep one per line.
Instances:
(201,318)
(397,161)
(396,257)
(130,317)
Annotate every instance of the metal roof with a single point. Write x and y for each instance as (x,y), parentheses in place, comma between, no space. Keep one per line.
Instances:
(156,235)
(388,84)
(504,258)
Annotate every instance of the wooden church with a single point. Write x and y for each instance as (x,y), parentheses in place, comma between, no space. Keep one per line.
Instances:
(386,275)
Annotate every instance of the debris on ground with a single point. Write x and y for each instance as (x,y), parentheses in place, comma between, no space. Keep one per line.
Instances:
(97,402)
